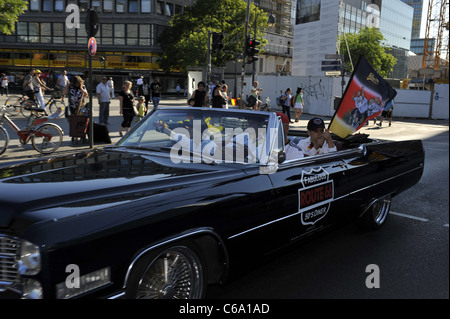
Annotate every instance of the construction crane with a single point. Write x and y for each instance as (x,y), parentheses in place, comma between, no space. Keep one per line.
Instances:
(437,24)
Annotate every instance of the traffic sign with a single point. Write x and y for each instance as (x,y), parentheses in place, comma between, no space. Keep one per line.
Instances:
(333,73)
(336,62)
(91,23)
(331,68)
(92,46)
(334,56)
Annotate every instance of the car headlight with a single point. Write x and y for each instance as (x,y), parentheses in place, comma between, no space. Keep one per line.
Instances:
(32,289)
(30,259)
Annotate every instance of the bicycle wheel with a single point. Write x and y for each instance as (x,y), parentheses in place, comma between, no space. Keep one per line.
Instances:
(47,138)
(57,106)
(4,139)
(26,106)
(13,105)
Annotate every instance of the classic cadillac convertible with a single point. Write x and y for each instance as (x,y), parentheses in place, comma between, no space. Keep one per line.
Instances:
(184,200)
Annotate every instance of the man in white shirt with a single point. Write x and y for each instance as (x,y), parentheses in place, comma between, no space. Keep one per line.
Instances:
(110,84)
(103,100)
(63,80)
(319,140)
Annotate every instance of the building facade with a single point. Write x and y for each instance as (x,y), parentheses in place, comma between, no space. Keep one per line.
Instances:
(127,39)
(320,22)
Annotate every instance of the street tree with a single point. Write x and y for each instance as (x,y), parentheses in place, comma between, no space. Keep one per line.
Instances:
(368,42)
(9,14)
(184,42)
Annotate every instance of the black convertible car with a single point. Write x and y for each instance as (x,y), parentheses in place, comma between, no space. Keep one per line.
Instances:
(184,200)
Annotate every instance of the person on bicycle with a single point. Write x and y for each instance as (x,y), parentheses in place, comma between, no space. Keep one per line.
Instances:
(28,88)
(38,85)
(76,91)
(256,93)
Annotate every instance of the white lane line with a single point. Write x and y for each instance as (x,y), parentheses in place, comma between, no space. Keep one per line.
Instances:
(409,216)
(446,225)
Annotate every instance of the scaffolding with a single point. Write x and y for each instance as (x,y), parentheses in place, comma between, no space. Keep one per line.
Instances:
(437,25)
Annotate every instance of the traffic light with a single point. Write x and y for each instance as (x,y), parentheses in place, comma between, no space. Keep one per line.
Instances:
(217,44)
(251,51)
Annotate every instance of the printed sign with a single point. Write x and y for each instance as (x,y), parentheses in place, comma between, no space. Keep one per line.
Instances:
(316,195)
(92,46)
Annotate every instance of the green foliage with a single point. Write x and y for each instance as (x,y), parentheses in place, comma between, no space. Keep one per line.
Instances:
(367,42)
(184,42)
(9,13)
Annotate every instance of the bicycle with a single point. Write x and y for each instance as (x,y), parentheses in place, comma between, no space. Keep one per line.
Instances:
(54,105)
(264,107)
(45,137)
(13,104)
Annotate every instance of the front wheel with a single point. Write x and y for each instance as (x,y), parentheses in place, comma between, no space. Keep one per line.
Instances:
(47,138)
(4,139)
(57,106)
(177,272)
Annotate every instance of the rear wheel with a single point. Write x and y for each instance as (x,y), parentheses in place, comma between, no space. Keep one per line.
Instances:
(176,272)
(47,138)
(376,215)
(4,139)
(26,108)
(13,105)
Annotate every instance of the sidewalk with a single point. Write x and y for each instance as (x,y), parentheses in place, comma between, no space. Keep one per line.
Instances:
(401,129)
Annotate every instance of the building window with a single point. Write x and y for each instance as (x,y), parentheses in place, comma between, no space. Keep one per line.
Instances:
(34,5)
(146,6)
(178,9)
(46,5)
(133,6)
(107,5)
(81,34)
(22,32)
(59,5)
(107,33)
(70,36)
(132,34)
(169,9)
(145,34)
(46,32)
(160,7)
(119,34)
(120,6)
(97,5)
(58,32)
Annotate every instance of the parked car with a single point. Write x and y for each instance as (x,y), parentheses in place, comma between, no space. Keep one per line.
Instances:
(187,198)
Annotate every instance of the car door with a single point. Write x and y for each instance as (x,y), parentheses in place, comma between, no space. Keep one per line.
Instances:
(310,194)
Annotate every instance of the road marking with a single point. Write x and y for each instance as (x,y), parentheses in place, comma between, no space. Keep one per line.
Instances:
(409,216)
(445,225)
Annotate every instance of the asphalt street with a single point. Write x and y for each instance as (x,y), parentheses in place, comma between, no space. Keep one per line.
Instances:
(411,250)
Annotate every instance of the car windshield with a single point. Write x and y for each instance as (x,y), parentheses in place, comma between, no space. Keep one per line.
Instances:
(203,135)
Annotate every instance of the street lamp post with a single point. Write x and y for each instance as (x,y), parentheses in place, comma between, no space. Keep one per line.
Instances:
(241,94)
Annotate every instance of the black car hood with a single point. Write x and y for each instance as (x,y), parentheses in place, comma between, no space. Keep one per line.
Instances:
(28,188)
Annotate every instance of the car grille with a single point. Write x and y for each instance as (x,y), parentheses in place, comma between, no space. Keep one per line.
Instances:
(9,272)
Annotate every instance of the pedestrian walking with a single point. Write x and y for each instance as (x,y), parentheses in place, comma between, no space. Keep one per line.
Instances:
(155,89)
(140,83)
(146,91)
(110,84)
(178,88)
(199,95)
(387,112)
(4,81)
(297,102)
(142,110)
(62,82)
(126,99)
(103,95)
(285,101)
